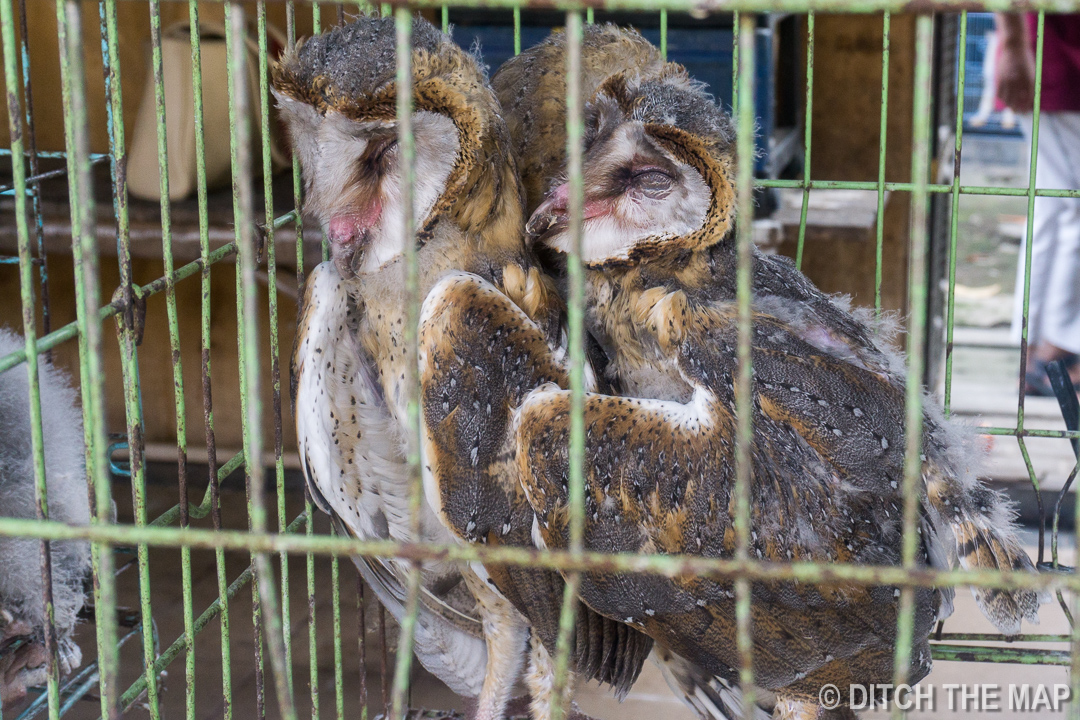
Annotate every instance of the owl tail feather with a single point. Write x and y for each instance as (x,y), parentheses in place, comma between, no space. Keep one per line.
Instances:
(984,548)
(710,697)
(447,643)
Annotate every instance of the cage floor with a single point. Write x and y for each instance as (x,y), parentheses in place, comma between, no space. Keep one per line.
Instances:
(649,699)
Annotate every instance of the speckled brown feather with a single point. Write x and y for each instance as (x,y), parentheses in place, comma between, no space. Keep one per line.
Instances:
(479,356)
(828,455)
(828,443)
(475,226)
(660,480)
(974,522)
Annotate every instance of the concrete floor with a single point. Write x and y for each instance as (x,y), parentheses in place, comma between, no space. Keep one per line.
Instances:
(986,367)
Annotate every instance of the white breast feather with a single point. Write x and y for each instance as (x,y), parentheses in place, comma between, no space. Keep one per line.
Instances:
(339,418)
(335,404)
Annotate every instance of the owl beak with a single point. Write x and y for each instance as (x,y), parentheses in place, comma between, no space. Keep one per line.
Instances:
(551,218)
(351,231)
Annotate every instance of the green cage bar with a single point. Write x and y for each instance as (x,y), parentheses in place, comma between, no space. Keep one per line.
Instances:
(667,566)
(298,225)
(950,310)
(913,401)
(746,119)
(886,27)
(1030,211)
(87,289)
(30,335)
(576,340)
(247,321)
(404,109)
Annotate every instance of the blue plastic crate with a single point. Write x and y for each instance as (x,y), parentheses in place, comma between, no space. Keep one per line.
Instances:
(977,47)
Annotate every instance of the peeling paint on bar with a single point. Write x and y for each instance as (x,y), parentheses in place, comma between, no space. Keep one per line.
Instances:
(575,130)
(407,147)
(746,119)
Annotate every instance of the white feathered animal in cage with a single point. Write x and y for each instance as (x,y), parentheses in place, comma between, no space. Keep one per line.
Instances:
(23,658)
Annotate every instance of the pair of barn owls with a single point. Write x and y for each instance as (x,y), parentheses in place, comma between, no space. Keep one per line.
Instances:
(660,261)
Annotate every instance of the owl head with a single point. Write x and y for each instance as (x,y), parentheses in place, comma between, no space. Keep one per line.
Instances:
(337,95)
(658,169)
(532,90)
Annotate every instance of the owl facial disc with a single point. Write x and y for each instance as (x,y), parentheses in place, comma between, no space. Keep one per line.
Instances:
(352,176)
(636,193)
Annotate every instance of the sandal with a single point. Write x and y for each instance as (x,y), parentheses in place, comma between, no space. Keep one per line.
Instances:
(1036,382)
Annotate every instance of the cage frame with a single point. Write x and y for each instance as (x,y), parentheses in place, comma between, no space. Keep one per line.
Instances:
(271,612)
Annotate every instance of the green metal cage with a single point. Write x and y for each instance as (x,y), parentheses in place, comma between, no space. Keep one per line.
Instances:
(253,247)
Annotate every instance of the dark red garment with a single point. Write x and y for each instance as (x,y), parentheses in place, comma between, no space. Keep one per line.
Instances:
(1061,61)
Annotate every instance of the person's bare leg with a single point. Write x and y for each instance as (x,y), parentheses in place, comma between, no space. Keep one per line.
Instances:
(1048,353)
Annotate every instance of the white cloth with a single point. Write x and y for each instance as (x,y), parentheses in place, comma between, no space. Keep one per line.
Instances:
(1054,309)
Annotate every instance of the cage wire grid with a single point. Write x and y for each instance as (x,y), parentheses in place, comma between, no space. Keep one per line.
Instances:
(254,237)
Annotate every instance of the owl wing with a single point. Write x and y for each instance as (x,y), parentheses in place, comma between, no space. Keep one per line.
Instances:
(852,413)
(854,417)
(659,479)
(480,354)
(972,525)
(352,460)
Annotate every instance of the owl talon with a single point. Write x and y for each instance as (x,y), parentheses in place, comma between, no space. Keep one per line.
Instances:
(793,709)
(20,670)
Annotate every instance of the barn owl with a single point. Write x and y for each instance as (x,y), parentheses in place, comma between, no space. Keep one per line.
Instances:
(532,90)
(827,452)
(337,95)
(22,605)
